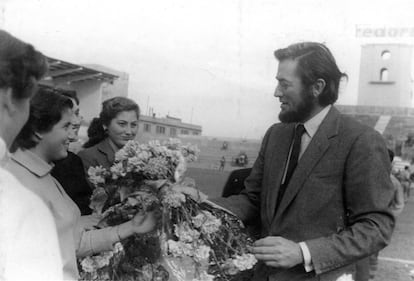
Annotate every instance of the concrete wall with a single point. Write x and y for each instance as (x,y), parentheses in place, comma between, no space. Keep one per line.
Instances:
(90,97)
(394,91)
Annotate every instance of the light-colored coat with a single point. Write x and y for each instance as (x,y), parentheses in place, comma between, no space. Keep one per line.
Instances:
(74,241)
(337,200)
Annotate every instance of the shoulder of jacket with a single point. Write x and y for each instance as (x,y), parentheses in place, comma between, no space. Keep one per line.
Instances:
(351,126)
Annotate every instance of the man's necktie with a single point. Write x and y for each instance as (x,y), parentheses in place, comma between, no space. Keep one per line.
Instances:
(293,160)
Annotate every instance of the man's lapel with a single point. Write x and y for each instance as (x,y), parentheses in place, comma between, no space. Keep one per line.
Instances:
(279,156)
(314,152)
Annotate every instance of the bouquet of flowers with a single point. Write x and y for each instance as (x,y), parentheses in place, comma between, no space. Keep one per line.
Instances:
(194,241)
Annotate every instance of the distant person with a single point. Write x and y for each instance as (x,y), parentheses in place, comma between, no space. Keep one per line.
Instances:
(116,125)
(405,181)
(29,248)
(242,160)
(76,144)
(397,206)
(70,171)
(222,163)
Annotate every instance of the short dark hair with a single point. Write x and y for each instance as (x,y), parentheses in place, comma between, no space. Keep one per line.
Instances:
(110,109)
(21,66)
(315,61)
(391,155)
(46,109)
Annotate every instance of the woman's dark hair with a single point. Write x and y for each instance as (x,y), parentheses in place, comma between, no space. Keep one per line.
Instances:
(21,66)
(391,155)
(315,61)
(110,109)
(46,109)
(72,95)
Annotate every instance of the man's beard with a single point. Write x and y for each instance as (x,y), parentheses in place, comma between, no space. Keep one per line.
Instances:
(302,110)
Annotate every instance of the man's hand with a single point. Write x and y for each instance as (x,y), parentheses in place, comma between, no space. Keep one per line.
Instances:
(277,251)
(192,192)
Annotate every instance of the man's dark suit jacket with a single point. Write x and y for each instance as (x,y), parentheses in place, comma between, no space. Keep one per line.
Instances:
(337,200)
(235,182)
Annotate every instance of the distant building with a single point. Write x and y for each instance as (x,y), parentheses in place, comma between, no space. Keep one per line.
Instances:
(385,94)
(93,84)
(152,127)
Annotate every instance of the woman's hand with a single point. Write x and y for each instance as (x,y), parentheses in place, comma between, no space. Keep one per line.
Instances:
(143,222)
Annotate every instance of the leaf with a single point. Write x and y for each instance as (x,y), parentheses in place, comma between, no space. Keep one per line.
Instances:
(132,201)
(156,183)
(124,192)
(98,200)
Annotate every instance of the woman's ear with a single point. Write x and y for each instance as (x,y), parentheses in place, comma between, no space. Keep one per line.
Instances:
(318,87)
(7,101)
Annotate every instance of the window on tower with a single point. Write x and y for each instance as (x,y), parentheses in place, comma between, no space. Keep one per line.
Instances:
(386,55)
(384,75)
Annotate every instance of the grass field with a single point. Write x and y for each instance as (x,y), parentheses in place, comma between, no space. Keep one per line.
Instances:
(395,262)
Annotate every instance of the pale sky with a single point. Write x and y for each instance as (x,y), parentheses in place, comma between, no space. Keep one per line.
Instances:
(208,62)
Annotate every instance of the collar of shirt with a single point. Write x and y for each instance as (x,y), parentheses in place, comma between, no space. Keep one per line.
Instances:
(4,152)
(312,125)
(32,162)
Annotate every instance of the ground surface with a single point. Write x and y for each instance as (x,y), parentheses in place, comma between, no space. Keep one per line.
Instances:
(395,262)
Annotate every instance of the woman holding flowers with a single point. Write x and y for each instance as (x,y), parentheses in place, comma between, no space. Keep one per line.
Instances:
(44,139)
(116,125)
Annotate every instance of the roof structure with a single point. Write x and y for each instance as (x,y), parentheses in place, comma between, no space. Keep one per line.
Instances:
(62,72)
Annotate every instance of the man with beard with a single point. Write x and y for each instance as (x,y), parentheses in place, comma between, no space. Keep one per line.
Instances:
(320,184)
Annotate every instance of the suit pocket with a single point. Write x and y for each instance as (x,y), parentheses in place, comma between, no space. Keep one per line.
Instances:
(333,275)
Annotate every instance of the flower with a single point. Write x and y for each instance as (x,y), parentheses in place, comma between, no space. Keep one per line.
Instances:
(173,199)
(202,252)
(185,233)
(98,199)
(93,263)
(179,249)
(88,264)
(118,170)
(97,175)
(207,222)
(118,248)
(180,169)
(244,262)
(204,276)
(156,168)
(345,277)
(198,237)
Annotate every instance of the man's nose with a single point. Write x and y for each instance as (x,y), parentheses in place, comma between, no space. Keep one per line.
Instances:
(278,92)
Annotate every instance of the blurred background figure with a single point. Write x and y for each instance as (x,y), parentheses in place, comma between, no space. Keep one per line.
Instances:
(397,206)
(222,163)
(29,248)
